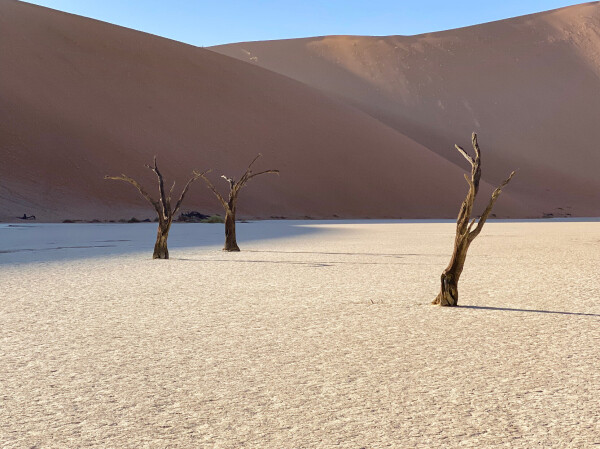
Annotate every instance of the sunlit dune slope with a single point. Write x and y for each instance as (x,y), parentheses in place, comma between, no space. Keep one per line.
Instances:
(529,85)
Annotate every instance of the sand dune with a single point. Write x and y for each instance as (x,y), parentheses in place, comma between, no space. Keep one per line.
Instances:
(359,126)
(530,86)
(80,99)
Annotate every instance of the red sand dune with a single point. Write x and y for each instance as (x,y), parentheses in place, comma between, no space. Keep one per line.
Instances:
(80,99)
(529,85)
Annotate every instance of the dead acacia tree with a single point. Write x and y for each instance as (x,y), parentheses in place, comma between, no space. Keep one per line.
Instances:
(231,203)
(465,233)
(162,206)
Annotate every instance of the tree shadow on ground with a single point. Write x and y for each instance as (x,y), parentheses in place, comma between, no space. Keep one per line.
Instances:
(49,242)
(508,309)
(332,253)
(290,262)
(282,262)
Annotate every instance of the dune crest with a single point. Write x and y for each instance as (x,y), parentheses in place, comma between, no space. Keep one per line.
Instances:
(81,99)
(359,127)
(529,85)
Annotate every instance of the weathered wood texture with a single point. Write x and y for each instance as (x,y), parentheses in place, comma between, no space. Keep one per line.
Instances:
(466,229)
(230,204)
(163,207)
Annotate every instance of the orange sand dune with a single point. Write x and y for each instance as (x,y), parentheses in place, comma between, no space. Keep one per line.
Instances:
(530,86)
(80,99)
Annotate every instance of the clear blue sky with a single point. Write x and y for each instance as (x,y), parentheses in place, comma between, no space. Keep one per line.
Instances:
(205,23)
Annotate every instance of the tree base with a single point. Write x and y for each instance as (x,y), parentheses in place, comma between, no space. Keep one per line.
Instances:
(158,256)
(448,296)
(161,251)
(444,302)
(234,249)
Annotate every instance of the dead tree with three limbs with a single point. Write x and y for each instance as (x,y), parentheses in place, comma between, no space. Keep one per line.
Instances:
(162,206)
(231,203)
(466,229)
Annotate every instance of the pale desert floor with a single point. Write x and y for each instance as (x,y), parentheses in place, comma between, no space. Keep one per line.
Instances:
(322,337)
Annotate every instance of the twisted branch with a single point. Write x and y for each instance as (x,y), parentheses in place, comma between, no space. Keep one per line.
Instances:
(489,207)
(213,189)
(236,186)
(166,204)
(185,189)
(248,175)
(137,185)
(163,204)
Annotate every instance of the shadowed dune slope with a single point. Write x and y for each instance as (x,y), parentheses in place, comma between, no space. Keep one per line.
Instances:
(529,85)
(81,99)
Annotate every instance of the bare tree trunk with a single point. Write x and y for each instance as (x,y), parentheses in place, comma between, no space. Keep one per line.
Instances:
(161,251)
(230,204)
(230,238)
(162,206)
(466,229)
(448,295)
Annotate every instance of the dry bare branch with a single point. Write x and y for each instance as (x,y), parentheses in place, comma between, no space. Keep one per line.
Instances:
(185,189)
(465,233)
(214,190)
(162,206)
(138,186)
(465,154)
(231,203)
(489,207)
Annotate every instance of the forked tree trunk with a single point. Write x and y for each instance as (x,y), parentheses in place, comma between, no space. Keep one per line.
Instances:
(161,251)
(466,231)
(230,238)
(229,205)
(162,206)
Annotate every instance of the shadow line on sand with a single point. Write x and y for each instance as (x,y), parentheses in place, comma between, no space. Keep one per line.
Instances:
(51,242)
(332,253)
(292,262)
(508,309)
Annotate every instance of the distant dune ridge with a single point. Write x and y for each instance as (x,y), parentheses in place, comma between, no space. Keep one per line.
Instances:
(358,126)
(530,85)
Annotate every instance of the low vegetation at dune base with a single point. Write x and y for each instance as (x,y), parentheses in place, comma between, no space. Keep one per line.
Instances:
(197,217)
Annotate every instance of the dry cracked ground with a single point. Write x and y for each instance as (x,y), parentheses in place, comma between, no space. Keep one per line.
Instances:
(322,337)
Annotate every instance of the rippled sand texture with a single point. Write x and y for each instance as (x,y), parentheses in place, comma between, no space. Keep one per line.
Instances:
(323,339)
